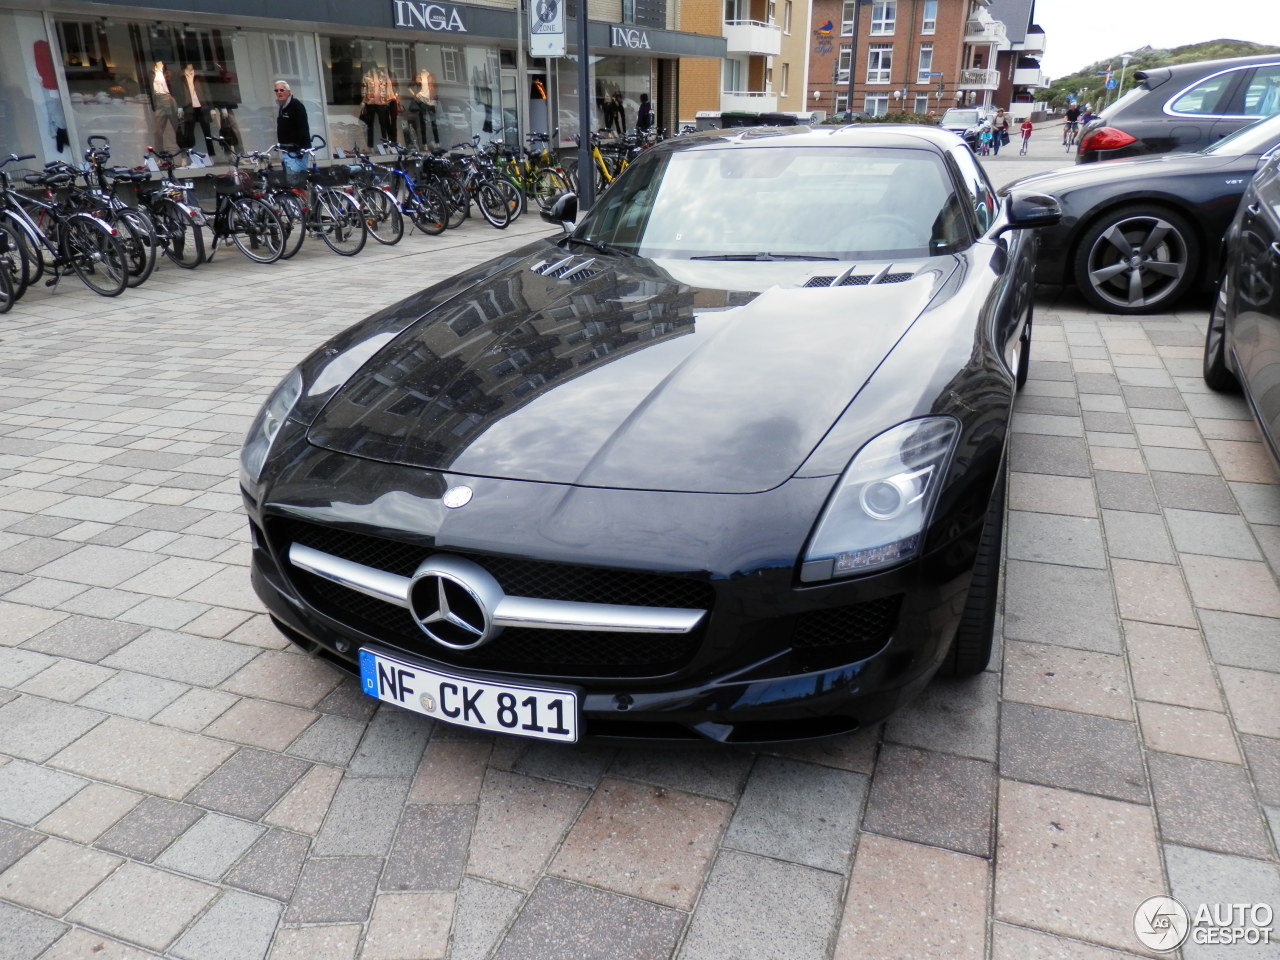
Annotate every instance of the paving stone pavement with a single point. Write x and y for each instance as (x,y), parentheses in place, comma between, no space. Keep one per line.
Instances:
(175,781)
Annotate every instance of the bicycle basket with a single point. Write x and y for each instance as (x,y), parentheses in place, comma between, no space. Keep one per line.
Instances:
(232,184)
(335,176)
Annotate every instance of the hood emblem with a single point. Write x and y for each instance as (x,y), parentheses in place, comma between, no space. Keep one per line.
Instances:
(453,602)
(456,497)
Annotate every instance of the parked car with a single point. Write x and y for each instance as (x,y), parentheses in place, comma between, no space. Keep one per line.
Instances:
(1185,107)
(964,122)
(1242,343)
(693,469)
(1136,235)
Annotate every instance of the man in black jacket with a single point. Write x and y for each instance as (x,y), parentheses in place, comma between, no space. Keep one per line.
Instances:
(292,129)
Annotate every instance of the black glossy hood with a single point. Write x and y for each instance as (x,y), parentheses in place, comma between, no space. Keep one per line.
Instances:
(629,373)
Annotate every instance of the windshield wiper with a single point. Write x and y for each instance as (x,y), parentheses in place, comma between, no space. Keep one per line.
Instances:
(600,246)
(762,256)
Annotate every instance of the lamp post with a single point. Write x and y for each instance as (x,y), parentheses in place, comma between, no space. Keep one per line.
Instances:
(853,50)
(1124,62)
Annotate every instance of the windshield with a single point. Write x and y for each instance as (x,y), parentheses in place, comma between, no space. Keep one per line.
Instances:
(1257,137)
(959,118)
(780,202)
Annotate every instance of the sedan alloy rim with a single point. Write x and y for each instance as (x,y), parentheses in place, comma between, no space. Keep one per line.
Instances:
(1138,261)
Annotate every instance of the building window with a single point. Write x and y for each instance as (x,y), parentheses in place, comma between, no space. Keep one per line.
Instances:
(733,76)
(786,17)
(879,62)
(849,18)
(842,64)
(628,11)
(285,61)
(786,78)
(883,14)
(842,102)
(922,103)
(451,64)
(926,63)
(929,23)
(773,12)
(877,105)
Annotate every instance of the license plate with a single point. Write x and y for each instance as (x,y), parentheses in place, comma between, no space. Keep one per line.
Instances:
(480,704)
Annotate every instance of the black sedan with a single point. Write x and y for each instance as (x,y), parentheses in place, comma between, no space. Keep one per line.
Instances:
(1242,344)
(1137,235)
(726,460)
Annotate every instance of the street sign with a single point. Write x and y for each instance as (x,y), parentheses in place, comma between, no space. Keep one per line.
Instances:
(546,28)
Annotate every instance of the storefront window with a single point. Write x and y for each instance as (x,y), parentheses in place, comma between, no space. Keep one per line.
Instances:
(418,94)
(617,83)
(129,81)
(31,116)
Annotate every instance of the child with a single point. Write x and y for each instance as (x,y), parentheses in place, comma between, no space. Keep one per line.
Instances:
(984,140)
(1025,130)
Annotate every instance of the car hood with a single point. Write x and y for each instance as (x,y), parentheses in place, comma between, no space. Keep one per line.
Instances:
(1128,170)
(629,373)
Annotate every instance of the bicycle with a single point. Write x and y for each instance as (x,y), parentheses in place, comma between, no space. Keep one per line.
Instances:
(239,217)
(133,225)
(382,214)
(329,212)
(272,188)
(1026,142)
(479,185)
(536,173)
(57,239)
(1069,133)
(177,222)
(426,206)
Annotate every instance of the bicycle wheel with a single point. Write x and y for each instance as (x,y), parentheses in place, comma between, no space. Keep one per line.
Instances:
(14,262)
(431,214)
(30,253)
(288,206)
(456,194)
(138,236)
(96,256)
(341,224)
(180,233)
(6,289)
(512,195)
(255,229)
(493,205)
(547,185)
(382,217)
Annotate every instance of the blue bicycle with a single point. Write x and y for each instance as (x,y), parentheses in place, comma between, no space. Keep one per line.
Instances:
(425,206)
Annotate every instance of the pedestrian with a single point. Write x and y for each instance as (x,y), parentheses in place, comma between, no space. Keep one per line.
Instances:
(293,133)
(999,130)
(1025,130)
(1072,125)
(644,116)
(984,140)
(1087,115)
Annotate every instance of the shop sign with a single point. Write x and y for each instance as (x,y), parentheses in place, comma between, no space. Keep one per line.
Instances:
(443,17)
(629,37)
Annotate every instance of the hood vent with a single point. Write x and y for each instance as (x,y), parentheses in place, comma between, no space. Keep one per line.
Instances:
(567,268)
(851,279)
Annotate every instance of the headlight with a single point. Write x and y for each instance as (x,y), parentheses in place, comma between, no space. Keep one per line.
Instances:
(878,513)
(257,444)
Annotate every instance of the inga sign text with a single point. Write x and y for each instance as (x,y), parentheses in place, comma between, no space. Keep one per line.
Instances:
(628,37)
(444,17)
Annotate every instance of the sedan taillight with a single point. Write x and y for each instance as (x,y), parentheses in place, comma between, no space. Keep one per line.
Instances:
(1106,138)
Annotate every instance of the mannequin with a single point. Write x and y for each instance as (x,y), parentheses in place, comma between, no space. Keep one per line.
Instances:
(193,98)
(164,108)
(377,100)
(424,107)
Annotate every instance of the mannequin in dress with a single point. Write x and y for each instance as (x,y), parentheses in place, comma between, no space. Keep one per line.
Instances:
(379,92)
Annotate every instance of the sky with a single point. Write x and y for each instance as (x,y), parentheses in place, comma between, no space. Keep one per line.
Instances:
(1081,32)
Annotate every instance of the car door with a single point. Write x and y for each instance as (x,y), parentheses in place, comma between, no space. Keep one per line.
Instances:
(1255,266)
(1256,96)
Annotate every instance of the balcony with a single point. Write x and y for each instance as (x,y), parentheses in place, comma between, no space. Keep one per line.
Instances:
(1030,77)
(985,30)
(1033,43)
(751,36)
(748,101)
(979,80)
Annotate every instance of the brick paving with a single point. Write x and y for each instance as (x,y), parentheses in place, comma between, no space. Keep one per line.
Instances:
(176,781)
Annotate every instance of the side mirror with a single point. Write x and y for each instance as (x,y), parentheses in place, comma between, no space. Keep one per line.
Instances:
(563,210)
(1029,210)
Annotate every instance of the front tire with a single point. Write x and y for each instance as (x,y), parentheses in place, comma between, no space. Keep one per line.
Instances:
(1136,259)
(970,650)
(383,218)
(256,230)
(1217,376)
(341,223)
(95,255)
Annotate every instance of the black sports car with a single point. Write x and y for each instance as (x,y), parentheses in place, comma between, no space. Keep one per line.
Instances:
(1136,235)
(1242,343)
(726,460)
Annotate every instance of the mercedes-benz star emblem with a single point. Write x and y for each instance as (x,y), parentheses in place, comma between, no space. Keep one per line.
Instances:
(453,601)
(456,497)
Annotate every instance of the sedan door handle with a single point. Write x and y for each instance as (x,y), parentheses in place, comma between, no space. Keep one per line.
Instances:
(1254,209)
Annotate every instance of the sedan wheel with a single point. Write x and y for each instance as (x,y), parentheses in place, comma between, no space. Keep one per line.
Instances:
(1216,374)
(1136,260)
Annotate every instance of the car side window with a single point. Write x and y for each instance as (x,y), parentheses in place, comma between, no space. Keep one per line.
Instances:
(1262,95)
(981,197)
(1206,97)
